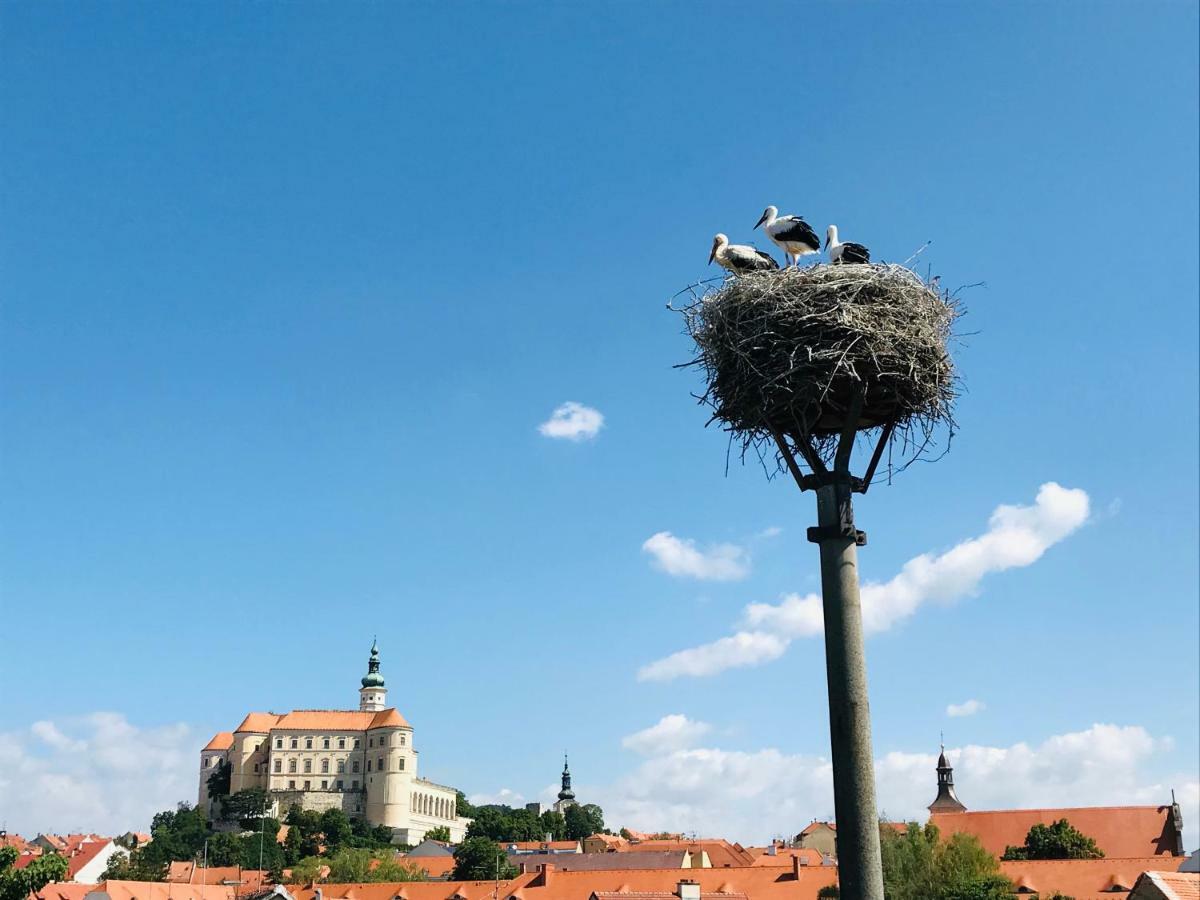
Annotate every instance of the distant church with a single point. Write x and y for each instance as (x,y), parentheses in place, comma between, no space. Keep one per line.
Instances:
(363,762)
(566,796)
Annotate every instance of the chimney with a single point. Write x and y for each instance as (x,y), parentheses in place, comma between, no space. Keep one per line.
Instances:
(546,871)
(549,837)
(796,867)
(689,890)
(773,850)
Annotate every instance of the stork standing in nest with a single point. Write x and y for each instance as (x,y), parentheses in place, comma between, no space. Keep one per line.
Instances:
(792,234)
(738,258)
(847,252)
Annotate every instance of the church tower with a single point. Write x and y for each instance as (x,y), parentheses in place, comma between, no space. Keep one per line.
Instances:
(566,796)
(372,696)
(946,801)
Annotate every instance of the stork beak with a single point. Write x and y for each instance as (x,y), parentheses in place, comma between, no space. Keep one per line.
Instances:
(760,221)
(826,242)
(712,255)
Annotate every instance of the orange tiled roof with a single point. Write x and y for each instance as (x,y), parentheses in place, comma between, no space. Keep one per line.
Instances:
(322,720)
(1083,879)
(222,740)
(1173,885)
(61,891)
(190,873)
(1120,831)
(749,882)
(783,856)
(721,853)
(433,866)
(813,826)
(82,853)
(542,845)
(160,890)
(14,840)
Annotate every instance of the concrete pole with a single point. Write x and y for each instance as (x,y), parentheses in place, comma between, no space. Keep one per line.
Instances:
(860,868)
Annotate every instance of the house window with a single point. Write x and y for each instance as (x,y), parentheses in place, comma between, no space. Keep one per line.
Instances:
(402,764)
(340,784)
(341,766)
(294,744)
(278,765)
(308,743)
(325,743)
(356,743)
(291,765)
(308,785)
(307,766)
(278,743)
(368,765)
(341,743)
(324,783)
(324,767)
(291,785)
(371,742)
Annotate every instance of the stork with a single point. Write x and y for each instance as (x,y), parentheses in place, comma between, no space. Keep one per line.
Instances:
(792,234)
(847,252)
(738,258)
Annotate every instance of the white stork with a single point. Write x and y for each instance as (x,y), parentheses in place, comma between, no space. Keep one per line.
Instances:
(844,252)
(792,234)
(738,258)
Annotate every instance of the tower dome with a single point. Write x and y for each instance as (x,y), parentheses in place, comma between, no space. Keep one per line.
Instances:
(566,793)
(946,801)
(372,696)
(373,679)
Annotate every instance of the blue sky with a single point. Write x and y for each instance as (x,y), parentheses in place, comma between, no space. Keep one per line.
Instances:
(288,290)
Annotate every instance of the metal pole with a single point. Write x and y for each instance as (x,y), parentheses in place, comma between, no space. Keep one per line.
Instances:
(860,869)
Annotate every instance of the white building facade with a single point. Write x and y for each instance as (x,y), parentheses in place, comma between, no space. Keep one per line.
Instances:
(361,761)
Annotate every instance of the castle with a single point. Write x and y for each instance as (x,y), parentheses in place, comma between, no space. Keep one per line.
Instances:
(363,762)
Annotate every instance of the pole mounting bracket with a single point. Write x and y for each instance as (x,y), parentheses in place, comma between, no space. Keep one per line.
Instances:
(817,534)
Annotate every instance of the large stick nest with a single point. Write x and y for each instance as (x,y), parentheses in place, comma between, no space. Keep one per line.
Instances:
(786,352)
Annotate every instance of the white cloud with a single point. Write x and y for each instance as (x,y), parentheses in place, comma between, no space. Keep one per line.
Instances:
(754,795)
(681,558)
(746,648)
(502,797)
(968,708)
(670,733)
(95,773)
(573,422)
(1017,536)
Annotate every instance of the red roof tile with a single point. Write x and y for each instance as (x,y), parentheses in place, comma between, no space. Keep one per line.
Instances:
(1122,831)
(1082,879)
(222,740)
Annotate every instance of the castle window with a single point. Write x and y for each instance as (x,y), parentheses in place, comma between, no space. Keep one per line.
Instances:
(354,785)
(308,743)
(380,764)
(371,742)
(401,740)
(341,766)
(308,785)
(324,783)
(368,765)
(356,743)
(341,743)
(325,743)
(278,743)
(307,766)
(340,784)
(279,765)
(291,784)
(324,767)
(354,766)
(402,764)
(294,744)
(291,765)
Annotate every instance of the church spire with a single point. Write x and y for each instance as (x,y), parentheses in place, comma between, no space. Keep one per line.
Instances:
(566,793)
(373,693)
(946,800)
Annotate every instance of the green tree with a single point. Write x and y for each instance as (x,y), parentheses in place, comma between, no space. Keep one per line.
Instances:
(829,892)
(583,821)
(224,849)
(919,865)
(244,807)
(481,859)
(291,846)
(392,869)
(441,833)
(133,866)
(178,835)
(363,834)
(17,884)
(218,781)
(350,864)
(336,829)
(491,822)
(463,806)
(553,824)
(523,825)
(307,870)
(1060,840)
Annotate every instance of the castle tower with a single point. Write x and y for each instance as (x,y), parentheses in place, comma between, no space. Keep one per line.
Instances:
(946,801)
(372,696)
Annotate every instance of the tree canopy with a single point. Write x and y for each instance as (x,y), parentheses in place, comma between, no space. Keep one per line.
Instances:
(441,833)
(17,884)
(1060,840)
(583,821)
(919,865)
(481,859)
